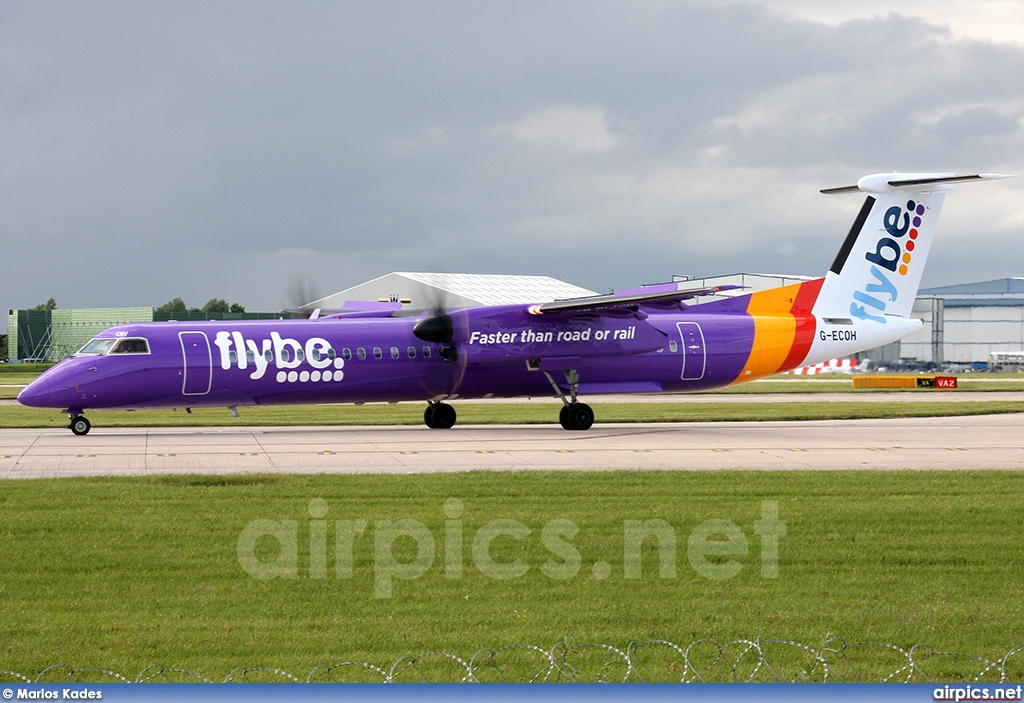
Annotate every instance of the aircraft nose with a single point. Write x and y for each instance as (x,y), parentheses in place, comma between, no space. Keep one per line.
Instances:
(45,394)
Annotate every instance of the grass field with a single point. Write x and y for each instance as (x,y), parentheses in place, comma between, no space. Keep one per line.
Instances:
(121,573)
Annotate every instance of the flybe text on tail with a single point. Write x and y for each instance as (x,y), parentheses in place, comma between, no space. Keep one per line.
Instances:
(892,256)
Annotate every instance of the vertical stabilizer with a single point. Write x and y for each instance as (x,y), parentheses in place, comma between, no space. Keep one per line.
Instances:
(878,269)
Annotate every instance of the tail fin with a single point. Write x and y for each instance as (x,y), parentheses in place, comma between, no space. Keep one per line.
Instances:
(878,269)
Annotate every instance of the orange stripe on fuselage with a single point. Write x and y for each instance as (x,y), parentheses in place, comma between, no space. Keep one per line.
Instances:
(783,328)
(805,323)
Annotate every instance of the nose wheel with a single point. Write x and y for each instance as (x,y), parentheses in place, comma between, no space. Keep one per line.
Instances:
(80,425)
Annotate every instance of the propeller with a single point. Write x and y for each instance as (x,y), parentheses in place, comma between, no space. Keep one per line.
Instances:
(443,329)
(303,289)
(436,328)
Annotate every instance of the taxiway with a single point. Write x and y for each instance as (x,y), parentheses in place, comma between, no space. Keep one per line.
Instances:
(976,442)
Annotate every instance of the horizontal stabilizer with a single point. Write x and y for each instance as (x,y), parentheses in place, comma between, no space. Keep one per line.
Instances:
(608,302)
(886,182)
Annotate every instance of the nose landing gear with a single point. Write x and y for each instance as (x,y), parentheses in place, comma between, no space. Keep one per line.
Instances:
(80,425)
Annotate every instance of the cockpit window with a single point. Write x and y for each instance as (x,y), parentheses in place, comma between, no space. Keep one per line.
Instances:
(131,346)
(99,347)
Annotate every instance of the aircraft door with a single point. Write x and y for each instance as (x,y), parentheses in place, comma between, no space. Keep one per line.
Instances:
(197,377)
(694,353)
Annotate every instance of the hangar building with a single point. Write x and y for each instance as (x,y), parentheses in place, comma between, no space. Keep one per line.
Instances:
(968,323)
(421,291)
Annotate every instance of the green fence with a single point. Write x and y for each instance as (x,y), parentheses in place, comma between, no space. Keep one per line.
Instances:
(52,335)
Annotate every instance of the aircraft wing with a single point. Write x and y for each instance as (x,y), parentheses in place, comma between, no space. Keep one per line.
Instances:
(352,308)
(629,301)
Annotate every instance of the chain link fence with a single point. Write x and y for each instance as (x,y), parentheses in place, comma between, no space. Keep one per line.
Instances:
(662,661)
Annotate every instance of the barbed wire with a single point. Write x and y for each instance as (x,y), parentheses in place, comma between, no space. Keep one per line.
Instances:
(656,660)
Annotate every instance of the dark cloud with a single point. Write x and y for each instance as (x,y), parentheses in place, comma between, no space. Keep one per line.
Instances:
(200,149)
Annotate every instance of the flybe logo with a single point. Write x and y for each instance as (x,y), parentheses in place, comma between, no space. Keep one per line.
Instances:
(292,359)
(890,259)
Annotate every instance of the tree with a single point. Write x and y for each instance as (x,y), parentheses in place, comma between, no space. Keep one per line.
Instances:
(176,305)
(216,305)
(50,304)
(3,347)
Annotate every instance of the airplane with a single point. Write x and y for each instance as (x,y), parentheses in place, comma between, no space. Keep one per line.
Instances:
(655,339)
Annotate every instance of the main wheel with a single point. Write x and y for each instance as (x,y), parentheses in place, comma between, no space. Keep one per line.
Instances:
(579,416)
(428,417)
(439,416)
(444,416)
(80,425)
(563,417)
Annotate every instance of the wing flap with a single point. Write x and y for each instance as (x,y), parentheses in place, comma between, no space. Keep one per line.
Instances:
(630,301)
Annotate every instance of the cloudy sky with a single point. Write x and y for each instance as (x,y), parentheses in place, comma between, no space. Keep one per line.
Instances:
(150,150)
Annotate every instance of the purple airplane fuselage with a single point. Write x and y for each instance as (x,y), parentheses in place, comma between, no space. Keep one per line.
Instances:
(331,360)
(651,340)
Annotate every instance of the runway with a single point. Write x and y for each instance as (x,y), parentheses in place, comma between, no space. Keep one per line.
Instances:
(948,443)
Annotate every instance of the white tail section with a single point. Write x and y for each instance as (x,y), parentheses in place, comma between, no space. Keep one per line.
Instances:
(878,270)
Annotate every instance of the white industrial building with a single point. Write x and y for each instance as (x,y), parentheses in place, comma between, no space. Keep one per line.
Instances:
(422,291)
(750,282)
(967,323)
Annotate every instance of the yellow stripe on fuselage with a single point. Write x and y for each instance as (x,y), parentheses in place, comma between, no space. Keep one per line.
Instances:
(774,331)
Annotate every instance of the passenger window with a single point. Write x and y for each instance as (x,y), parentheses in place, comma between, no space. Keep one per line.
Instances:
(377,353)
(300,355)
(269,355)
(672,346)
(233,356)
(394,352)
(361,353)
(411,351)
(346,354)
(426,352)
(332,355)
(286,354)
(250,357)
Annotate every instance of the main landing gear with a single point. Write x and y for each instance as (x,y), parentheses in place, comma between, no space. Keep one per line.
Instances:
(439,416)
(80,425)
(574,415)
